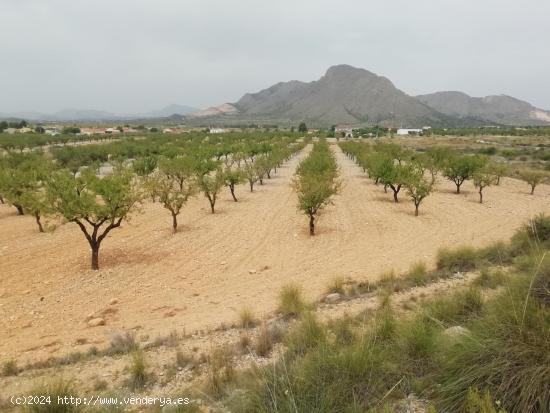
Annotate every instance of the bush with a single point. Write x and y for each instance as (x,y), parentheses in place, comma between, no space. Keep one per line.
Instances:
(308,334)
(459,259)
(122,343)
(55,389)
(291,302)
(264,342)
(455,309)
(221,370)
(506,354)
(490,278)
(246,318)
(137,368)
(9,368)
(419,275)
(336,285)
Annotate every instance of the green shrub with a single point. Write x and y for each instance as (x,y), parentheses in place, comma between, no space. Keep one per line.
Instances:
(506,353)
(56,390)
(221,370)
(291,302)
(336,285)
(477,403)
(9,368)
(455,309)
(459,259)
(419,275)
(246,318)
(490,278)
(308,334)
(137,368)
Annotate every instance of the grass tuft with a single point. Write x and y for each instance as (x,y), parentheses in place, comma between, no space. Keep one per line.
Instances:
(291,302)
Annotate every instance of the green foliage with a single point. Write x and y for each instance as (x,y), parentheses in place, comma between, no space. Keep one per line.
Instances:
(173,184)
(533,177)
(291,302)
(477,403)
(483,178)
(316,182)
(56,391)
(458,259)
(459,168)
(138,370)
(302,127)
(96,204)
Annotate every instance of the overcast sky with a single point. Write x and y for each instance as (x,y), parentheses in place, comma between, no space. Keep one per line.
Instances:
(137,55)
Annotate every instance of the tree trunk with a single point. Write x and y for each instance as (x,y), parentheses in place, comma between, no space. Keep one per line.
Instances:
(19,209)
(498,179)
(1,200)
(212,203)
(395,196)
(37,218)
(251,185)
(261,181)
(95,257)
(416,209)
(458,188)
(269,174)
(480,195)
(174,223)
(532,190)
(311,224)
(232,189)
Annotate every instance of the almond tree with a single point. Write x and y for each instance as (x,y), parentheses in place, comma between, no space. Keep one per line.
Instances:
(174,183)
(232,177)
(418,188)
(210,179)
(482,179)
(533,177)
(462,167)
(394,176)
(97,205)
(251,174)
(316,182)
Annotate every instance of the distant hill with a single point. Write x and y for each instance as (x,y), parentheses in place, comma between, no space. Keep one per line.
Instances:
(67,115)
(170,110)
(349,95)
(344,94)
(501,109)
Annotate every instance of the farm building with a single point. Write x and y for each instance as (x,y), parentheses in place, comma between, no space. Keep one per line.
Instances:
(408,131)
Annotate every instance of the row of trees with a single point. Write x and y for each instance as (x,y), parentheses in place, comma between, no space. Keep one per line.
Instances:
(397,167)
(36,184)
(316,182)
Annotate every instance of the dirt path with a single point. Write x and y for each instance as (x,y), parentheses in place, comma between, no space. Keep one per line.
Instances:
(238,257)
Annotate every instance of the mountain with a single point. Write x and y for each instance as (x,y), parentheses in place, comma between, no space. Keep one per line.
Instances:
(169,110)
(345,94)
(67,115)
(501,109)
(224,109)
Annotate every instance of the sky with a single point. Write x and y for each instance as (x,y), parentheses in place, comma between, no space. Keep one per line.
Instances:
(132,56)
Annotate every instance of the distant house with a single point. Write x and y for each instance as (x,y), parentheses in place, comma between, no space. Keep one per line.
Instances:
(92,131)
(409,131)
(11,131)
(217,130)
(167,130)
(344,131)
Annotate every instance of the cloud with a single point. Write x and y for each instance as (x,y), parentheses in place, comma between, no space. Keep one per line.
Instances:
(137,55)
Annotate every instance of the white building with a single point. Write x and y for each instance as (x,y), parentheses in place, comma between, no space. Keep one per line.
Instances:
(217,130)
(409,131)
(344,131)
